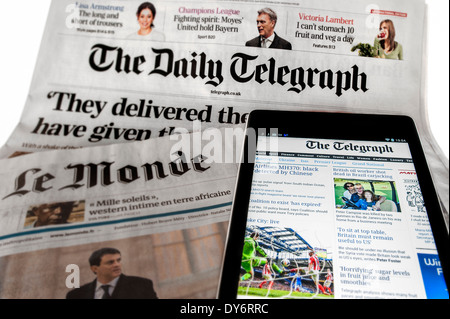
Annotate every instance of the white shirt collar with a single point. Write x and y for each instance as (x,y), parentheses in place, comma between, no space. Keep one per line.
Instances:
(269,40)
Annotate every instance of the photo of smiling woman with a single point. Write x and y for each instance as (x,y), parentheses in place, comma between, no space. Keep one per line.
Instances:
(385,44)
(146,14)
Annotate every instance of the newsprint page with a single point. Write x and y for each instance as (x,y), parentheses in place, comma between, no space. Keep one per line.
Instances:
(118,83)
(163,208)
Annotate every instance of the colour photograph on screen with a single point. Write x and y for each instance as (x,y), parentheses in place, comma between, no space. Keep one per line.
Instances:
(366,195)
(277,262)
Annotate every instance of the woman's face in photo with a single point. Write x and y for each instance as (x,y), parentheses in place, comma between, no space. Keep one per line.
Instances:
(368,196)
(145,19)
(385,29)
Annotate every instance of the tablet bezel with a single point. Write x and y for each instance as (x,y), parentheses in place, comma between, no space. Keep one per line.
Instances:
(322,125)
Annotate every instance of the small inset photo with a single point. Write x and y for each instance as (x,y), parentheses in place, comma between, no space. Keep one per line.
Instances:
(54,214)
(366,195)
(266,21)
(145,15)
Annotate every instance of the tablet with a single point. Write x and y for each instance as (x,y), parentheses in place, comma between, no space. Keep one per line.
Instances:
(334,206)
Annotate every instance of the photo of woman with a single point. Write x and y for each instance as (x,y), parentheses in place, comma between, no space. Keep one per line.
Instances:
(146,14)
(368,202)
(385,45)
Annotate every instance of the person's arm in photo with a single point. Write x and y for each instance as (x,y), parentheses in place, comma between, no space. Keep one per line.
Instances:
(381,200)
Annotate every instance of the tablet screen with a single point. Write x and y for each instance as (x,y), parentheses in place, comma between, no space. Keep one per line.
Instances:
(337,219)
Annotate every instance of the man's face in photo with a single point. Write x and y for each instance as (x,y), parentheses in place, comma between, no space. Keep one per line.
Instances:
(265,25)
(50,215)
(110,267)
(359,189)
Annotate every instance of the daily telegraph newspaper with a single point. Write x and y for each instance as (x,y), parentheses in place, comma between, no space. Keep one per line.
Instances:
(101,78)
(303,198)
(164,208)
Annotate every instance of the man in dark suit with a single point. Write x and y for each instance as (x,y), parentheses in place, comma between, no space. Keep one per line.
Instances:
(266,21)
(110,282)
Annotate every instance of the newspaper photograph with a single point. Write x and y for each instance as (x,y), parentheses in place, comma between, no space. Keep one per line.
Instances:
(126,71)
(155,210)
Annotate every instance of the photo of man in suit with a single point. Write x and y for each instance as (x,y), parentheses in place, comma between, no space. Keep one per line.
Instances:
(111,283)
(266,22)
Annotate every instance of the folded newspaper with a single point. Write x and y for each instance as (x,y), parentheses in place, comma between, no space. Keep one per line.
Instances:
(166,210)
(121,72)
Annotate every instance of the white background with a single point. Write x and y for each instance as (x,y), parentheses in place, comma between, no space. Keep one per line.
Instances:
(22,26)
